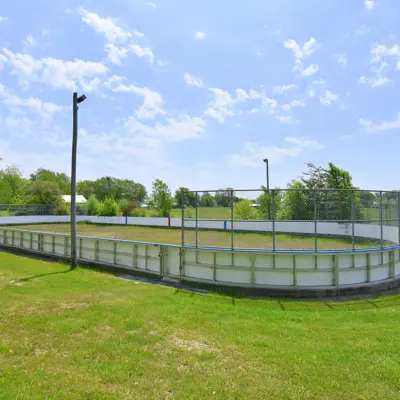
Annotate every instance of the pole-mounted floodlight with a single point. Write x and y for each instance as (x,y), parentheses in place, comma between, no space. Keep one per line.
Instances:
(75,101)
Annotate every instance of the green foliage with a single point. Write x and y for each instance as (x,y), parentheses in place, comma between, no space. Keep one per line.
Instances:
(12,184)
(188,197)
(93,205)
(127,207)
(225,197)
(43,192)
(109,208)
(161,197)
(120,189)
(266,205)
(297,204)
(244,210)
(207,200)
(62,209)
(62,180)
(138,212)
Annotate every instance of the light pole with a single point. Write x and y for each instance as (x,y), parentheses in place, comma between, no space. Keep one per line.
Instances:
(75,101)
(267,175)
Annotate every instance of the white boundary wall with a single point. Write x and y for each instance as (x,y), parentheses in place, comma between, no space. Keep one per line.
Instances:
(390,233)
(216,266)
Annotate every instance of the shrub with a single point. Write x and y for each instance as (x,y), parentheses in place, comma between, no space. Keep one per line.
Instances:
(127,207)
(62,209)
(155,213)
(93,206)
(138,212)
(244,210)
(109,208)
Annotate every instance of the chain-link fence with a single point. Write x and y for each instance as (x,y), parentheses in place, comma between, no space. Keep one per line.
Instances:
(14,210)
(290,219)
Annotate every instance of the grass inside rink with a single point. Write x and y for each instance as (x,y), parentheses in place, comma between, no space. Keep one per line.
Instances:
(205,238)
(84,334)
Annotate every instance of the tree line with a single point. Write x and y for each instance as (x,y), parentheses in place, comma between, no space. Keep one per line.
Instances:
(110,196)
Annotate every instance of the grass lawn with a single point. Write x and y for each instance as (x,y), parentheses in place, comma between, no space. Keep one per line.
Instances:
(205,238)
(88,335)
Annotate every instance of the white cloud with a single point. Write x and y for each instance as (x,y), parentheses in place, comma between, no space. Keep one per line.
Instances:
(371,127)
(152,5)
(293,104)
(106,26)
(200,35)
(192,80)
(30,41)
(223,105)
(283,89)
(252,153)
(311,70)
(363,30)
(173,130)
(369,4)
(286,119)
(341,58)
(119,42)
(375,81)
(328,98)
(152,101)
(52,71)
(161,63)
(260,54)
(3,60)
(90,86)
(2,19)
(304,51)
(315,86)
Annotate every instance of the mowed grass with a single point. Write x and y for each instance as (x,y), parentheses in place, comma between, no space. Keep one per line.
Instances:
(84,334)
(206,238)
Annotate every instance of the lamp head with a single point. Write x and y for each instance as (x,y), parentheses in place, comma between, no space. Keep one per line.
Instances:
(81,99)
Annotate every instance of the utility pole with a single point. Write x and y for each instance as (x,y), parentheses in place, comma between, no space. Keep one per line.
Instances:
(267,176)
(75,101)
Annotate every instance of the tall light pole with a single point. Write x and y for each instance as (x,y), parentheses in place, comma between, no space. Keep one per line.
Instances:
(75,101)
(267,175)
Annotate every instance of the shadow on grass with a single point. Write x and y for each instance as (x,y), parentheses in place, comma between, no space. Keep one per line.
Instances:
(42,275)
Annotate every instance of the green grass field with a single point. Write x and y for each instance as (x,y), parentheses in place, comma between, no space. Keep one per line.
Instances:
(205,238)
(84,334)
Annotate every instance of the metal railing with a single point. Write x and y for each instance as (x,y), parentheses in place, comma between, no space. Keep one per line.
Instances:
(290,219)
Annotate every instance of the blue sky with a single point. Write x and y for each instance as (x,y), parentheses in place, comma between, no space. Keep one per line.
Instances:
(197,93)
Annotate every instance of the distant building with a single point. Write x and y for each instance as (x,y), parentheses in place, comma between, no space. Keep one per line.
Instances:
(79,198)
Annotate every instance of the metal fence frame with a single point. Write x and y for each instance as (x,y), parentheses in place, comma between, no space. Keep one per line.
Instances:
(380,208)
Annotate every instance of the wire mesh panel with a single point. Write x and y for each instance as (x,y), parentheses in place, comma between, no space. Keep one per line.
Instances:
(291,219)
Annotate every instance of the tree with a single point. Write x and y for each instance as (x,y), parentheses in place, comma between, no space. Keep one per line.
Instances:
(62,180)
(244,210)
(93,205)
(189,197)
(266,205)
(120,189)
(224,197)
(109,208)
(12,185)
(332,205)
(207,200)
(161,197)
(43,192)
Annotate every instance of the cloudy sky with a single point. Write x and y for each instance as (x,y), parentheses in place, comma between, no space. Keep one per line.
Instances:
(199,92)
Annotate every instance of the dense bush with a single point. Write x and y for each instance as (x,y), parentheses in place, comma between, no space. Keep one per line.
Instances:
(93,206)
(62,209)
(127,207)
(109,208)
(244,210)
(138,212)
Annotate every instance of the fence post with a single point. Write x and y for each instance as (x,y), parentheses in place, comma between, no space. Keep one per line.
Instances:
(398,215)
(232,243)
(183,216)
(273,221)
(197,219)
(381,216)
(353,216)
(315,222)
